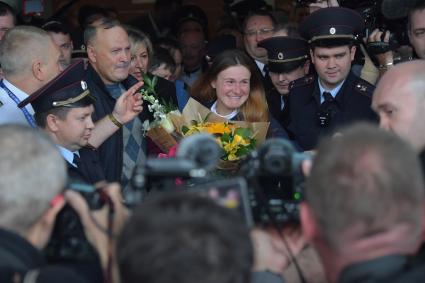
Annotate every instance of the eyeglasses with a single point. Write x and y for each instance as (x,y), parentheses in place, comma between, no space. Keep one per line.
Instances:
(263,31)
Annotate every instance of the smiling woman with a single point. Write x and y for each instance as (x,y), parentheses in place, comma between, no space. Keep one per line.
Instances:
(232,88)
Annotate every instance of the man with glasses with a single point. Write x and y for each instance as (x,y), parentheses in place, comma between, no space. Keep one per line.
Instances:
(259,25)
(321,104)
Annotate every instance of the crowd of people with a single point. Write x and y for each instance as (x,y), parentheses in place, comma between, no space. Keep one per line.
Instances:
(71,134)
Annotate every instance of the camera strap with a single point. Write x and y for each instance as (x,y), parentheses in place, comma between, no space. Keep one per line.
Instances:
(109,278)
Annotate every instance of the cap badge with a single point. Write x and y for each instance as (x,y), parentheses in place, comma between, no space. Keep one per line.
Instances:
(83,85)
(280,56)
(332,30)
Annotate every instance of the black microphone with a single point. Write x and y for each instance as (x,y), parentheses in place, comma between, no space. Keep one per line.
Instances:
(397,9)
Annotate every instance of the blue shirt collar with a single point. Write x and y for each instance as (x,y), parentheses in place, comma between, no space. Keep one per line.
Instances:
(333,92)
(68,155)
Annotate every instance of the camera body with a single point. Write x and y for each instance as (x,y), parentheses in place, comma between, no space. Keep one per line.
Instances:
(68,241)
(275,182)
(272,177)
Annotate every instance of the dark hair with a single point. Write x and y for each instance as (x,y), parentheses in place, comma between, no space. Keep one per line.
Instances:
(366,177)
(184,238)
(5,9)
(255,108)
(91,30)
(290,27)
(89,13)
(162,56)
(419,6)
(168,43)
(56,27)
(61,112)
(41,117)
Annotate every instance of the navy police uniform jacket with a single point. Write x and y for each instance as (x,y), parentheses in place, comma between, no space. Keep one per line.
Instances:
(353,103)
(274,101)
(89,169)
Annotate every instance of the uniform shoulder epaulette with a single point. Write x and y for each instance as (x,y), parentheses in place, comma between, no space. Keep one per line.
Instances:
(307,80)
(363,87)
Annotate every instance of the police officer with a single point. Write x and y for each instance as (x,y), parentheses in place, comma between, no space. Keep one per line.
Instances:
(322,103)
(63,109)
(287,60)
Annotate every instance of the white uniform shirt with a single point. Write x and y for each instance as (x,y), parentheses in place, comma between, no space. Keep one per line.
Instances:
(9,110)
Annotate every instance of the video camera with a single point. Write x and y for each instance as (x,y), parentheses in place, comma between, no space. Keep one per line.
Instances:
(68,240)
(269,184)
(275,182)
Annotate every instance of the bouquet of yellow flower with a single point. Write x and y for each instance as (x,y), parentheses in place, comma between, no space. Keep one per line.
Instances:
(235,141)
(237,138)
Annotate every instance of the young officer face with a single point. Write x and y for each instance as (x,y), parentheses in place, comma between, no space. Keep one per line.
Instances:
(232,88)
(332,64)
(74,131)
(281,81)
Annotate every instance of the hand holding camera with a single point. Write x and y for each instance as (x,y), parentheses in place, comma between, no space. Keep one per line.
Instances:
(101,225)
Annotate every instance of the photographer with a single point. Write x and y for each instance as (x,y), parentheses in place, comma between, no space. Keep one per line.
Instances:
(23,186)
(30,200)
(363,210)
(182,237)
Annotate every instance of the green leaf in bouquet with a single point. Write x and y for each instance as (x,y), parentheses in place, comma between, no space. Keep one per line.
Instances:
(154,81)
(149,84)
(185,129)
(243,132)
(146,80)
(243,150)
(225,137)
(253,143)
(168,105)
(207,117)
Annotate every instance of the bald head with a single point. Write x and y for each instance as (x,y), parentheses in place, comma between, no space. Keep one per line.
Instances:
(399,100)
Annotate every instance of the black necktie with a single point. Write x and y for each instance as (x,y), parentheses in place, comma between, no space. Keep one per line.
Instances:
(77,160)
(266,71)
(326,110)
(328,98)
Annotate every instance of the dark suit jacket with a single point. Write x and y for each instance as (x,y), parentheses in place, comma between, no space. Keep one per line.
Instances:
(353,104)
(111,151)
(274,101)
(266,81)
(385,269)
(89,170)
